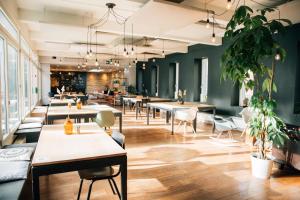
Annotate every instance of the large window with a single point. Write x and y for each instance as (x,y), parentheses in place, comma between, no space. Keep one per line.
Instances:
(34,85)
(26,84)
(9,27)
(2,89)
(12,76)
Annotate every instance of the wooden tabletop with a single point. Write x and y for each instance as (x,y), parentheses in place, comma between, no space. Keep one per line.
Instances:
(177,105)
(61,101)
(88,109)
(56,147)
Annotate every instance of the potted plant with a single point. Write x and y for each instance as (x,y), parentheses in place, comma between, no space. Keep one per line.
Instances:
(251,39)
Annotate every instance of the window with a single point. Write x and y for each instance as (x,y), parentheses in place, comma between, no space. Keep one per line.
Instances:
(245,95)
(34,85)
(26,85)
(2,89)
(8,26)
(12,76)
(204,80)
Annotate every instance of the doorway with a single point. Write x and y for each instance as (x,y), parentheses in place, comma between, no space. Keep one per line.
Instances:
(173,80)
(154,81)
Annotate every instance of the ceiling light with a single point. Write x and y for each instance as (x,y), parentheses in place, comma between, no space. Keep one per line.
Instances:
(78,66)
(213,39)
(129,64)
(163,54)
(97,63)
(153,60)
(124,52)
(132,51)
(90,53)
(87,55)
(207,23)
(207,20)
(229,4)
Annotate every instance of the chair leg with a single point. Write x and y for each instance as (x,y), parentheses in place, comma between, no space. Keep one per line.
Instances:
(80,187)
(90,189)
(116,187)
(219,135)
(193,128)
(178,126)
(111,186)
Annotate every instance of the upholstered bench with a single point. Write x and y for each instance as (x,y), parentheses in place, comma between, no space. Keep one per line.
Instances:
(14,170)
(31,131)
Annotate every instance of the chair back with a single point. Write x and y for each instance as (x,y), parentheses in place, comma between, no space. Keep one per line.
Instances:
(118,138)
(186,115)
(105,118)
(246,114)
(223,125)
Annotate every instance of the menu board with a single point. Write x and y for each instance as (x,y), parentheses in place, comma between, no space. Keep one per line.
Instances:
(73,81)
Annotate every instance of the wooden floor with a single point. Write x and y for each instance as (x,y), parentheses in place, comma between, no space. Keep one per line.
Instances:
(169,167)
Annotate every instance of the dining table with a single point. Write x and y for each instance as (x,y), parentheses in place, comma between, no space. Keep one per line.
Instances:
(87,112)
(172,107)
(61,102)
(57,152)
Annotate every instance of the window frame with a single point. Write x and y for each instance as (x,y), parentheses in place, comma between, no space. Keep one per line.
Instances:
(17,84)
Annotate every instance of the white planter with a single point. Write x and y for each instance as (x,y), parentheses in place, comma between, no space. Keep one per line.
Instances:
(261,168)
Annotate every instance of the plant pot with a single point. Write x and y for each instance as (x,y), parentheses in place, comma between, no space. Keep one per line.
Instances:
(261,168)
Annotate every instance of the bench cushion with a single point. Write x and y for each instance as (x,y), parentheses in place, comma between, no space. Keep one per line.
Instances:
(16,154)
(32,145)
(30,125)
(13,170)
(33,120)
(29,130)
(11,190)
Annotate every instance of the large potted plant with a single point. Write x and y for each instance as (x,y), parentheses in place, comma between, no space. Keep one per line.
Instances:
(251,38)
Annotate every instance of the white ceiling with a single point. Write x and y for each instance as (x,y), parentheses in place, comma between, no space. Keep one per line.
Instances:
(59,27)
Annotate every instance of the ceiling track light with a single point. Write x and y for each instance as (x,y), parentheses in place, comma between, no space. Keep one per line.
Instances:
(109,15)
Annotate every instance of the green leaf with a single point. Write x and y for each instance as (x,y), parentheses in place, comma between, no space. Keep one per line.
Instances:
(266,84)
(274,87)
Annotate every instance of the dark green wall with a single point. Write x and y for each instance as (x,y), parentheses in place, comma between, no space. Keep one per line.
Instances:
(220,93)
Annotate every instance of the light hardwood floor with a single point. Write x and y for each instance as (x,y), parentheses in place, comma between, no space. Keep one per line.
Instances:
(171,167)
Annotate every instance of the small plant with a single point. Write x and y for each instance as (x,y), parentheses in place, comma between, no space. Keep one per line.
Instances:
(131,89)
(181,96)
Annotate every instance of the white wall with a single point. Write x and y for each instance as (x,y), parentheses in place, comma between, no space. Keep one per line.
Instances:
(45,83)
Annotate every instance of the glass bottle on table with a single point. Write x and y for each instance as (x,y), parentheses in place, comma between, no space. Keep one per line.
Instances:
(68,126)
